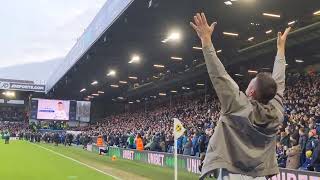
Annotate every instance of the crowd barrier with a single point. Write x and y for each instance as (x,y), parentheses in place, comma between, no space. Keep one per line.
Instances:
(191,163)
(188,163)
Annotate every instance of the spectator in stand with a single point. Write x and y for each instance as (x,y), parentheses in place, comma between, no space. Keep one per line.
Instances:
(312,141)
(179,144)
(130,141)
(187,147)
(302,138)
(162,144)
(293,153)
(139,142)
(285,140)
(195,145)
(281,155)
(315,162)
(307,164)
(302,143)
(202,144)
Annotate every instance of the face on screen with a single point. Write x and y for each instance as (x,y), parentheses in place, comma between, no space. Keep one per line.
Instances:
(60,106)
(53,109)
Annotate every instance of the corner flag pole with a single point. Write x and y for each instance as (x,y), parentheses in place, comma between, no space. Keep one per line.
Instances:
(175,159)
(178,130)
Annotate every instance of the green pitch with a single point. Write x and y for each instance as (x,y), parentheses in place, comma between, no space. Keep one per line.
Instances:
(21,160)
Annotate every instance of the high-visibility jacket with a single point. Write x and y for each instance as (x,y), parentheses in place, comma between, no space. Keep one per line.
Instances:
(139,144)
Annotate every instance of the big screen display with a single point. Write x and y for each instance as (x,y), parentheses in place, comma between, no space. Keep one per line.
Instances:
(53,109)
(83,111)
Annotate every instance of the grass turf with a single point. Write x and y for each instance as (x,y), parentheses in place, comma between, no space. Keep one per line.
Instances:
(21,160)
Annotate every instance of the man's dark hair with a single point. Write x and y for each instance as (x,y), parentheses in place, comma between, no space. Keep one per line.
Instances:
(266,87)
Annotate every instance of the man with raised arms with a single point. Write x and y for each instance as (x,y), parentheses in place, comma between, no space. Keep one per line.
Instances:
(243,145)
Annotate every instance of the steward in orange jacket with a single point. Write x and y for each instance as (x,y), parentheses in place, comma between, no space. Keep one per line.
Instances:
(139,142)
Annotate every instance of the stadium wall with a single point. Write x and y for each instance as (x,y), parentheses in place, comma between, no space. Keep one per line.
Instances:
(191,163)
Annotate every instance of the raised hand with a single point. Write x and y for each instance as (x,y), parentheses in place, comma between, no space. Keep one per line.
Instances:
(202,28)
(281,41)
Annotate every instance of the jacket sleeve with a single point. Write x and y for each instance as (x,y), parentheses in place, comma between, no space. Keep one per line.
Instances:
(227,90)
(304,142)
(293,152)
(278,74)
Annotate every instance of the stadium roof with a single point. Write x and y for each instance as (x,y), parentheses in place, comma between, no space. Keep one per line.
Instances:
(147,32)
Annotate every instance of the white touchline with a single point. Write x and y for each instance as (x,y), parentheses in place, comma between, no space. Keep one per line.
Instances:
(67,157)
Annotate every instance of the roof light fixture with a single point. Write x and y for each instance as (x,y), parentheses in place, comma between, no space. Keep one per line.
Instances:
(196,47)
(9,93)
(94,83)
(173,36)
(252,71)
(291,23)
(134,59)
(271,15)
(132,77)
(176,58)
(228,3)
(111,73)
(123,82)
(158,65)
(230,34)
(250,38)
(114,85)
(82,90)
(269,31)
(317,13)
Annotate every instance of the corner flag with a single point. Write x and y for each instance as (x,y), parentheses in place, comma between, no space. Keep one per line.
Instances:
(178,131)
(178,128)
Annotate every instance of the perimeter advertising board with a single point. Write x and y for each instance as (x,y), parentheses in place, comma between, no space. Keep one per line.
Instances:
(191,163)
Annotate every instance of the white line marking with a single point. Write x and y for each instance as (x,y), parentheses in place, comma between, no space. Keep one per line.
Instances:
(84,164)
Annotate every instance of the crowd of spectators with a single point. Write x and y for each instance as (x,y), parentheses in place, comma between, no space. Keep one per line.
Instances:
(297,140)
(156,126)
(298,136)
(10,113)
(14,128)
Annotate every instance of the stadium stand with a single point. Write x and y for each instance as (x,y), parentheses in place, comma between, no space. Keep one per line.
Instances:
(135,83)
(297,135)
(12,113)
